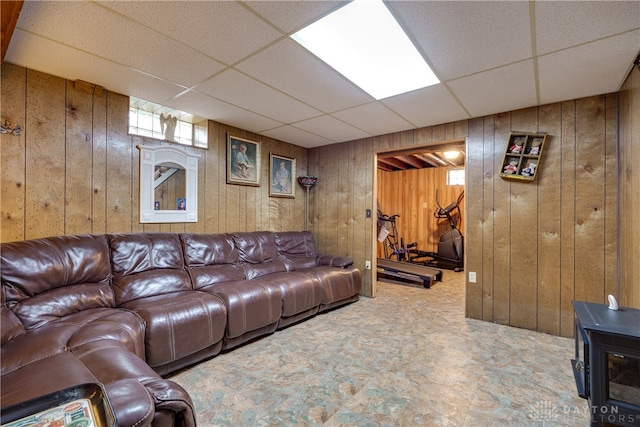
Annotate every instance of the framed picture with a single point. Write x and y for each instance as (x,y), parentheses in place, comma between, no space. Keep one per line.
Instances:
(181,204)
(282,170)
(243,161)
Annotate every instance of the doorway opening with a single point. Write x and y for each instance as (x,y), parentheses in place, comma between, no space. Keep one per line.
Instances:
(414,186)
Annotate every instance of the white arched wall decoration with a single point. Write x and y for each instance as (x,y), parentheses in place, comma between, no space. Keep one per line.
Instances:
(162,155)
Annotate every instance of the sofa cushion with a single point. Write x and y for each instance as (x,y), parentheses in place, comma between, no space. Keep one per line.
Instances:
(180,324)
(340,285)
(301,292)
(297,249)
(10,324)
(62,302)
(47,279)
(251,305)
(147,264)
(258,253)
(122,326)
(211,258)
(72,331)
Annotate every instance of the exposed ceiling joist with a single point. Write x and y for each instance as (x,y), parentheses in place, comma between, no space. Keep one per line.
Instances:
(423,157)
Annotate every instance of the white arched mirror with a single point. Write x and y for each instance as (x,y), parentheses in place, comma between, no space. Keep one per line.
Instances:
(168,185)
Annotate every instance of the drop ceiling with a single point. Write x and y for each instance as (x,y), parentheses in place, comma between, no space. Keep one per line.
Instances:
(233,62)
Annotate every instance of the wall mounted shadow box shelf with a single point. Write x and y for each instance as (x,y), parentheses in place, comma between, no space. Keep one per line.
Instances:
(522,156)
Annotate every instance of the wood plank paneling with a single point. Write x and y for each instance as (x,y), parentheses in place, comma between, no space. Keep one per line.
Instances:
(13,154)
(489,163)
(524,235)
(589,201)
(567,215)
(487,214)
(99,165)
(502,242)
(75,169)
(582,200)
(45,160)
(548,212)
(119,165)
(629,191)
(474,214)
(78,159)
(611,231)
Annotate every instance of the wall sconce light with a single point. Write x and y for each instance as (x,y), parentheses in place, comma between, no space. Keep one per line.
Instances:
(10,130)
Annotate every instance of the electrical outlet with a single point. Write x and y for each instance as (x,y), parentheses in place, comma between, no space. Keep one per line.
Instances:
(367,265)
(472,277)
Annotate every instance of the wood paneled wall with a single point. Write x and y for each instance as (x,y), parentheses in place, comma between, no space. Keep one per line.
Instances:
(535,246)
(74,168)
(629,190)
(412,195)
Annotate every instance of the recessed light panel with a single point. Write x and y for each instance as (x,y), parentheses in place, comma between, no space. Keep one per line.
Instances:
(365,43)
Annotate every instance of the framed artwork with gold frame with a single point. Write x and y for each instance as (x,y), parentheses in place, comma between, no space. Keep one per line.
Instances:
(243,161)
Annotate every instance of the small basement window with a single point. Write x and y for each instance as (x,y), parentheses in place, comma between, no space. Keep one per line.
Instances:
(156,121)
(455,176)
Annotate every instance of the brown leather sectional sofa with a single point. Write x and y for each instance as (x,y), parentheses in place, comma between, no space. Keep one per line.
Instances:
(126,310)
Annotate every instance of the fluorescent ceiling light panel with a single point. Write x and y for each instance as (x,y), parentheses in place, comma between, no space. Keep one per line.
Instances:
(365,43)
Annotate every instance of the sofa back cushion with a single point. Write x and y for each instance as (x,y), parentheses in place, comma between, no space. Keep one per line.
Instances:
(259,253)
(211,258)
(46,279)
(10,325)
(147,264)
(297,249)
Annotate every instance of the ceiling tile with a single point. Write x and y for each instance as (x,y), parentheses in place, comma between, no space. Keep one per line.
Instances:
(464,37)
(198,24)
(373,118)
(331,128)
(232,61)
(426,107)
(497,91)
(289,67)
(297,137)
(291,16)
(205,106)
(75,24)
(574,73)
(561,24)
(243,91)
(62,61)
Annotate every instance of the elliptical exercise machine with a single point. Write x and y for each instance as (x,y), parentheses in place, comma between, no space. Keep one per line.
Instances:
(451,245)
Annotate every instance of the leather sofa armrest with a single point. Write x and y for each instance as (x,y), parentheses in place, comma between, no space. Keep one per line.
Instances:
(171,398)
(131,402)
(335,260)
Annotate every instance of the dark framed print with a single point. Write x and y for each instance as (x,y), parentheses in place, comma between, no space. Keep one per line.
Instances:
(281,171)
(243,161)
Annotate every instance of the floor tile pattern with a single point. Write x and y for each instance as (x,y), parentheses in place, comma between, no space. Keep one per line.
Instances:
(408,357)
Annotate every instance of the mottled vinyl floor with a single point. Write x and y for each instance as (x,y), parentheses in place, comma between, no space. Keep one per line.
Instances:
(408,357)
